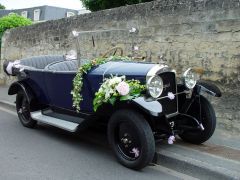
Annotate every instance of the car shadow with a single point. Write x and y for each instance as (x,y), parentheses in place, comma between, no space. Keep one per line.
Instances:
(97,137)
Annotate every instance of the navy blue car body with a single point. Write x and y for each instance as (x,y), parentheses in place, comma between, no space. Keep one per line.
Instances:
(53,87)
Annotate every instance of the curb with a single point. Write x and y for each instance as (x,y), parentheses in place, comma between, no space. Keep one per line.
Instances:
(194,167)
(8,105)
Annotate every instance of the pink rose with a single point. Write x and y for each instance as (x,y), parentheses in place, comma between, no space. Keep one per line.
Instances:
(123,88)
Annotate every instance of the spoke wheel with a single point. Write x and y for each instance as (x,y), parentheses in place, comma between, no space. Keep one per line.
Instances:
(131,139)
(23,110)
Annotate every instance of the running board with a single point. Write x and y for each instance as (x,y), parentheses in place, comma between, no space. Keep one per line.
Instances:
(60,123)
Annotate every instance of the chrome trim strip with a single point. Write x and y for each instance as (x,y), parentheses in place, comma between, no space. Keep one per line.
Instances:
(153,71)
(176,91)
(172,114)
(159,68)
(60,123)
(184,92)
(203,89)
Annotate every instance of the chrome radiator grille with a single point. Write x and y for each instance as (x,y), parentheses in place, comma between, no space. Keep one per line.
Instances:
(169,82)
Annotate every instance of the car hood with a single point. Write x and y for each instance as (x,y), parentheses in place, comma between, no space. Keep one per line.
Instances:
(94,78)
(119,68)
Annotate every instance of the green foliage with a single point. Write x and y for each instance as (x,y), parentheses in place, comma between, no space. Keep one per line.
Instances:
(12,21)
(96,5)
(2,6)
(78,80)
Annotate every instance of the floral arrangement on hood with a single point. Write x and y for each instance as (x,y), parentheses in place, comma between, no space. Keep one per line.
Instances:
(117,88)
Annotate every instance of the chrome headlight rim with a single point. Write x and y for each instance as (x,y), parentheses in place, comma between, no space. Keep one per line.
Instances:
(155,96)
(185,77)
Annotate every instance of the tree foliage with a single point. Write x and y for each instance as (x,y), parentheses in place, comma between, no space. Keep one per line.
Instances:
(2,6)
(96,5)
(12,21)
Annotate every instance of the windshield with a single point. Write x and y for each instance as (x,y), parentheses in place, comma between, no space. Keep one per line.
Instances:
(117,52)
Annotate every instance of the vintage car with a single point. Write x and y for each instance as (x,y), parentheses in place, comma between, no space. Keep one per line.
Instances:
(165,109)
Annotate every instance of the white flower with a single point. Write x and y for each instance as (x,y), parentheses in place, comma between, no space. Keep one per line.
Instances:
(9,67)
(115,80)
(100,90)
(136,152)
(132,30)
(123,88)
(136,48)
(171,96)
(17,62)
(171,139)
(17,66)
(75,33)
(107,95)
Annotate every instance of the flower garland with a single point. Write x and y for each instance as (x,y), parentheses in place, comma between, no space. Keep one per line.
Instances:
(117,88)
(78,80)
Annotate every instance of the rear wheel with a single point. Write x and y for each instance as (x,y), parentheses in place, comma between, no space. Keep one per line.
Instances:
(131,139)
(23,110)
(208,121)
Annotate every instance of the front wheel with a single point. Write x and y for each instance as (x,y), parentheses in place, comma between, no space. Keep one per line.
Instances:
(131,139)
(208,122)
(23,110)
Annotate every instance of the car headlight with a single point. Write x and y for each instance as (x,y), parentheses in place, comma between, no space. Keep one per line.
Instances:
(155,86)
(190,78)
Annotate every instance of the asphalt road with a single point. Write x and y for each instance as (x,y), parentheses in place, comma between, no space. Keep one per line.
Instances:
(49,153)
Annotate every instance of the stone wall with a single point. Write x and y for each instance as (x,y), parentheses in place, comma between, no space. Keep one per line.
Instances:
(203,33)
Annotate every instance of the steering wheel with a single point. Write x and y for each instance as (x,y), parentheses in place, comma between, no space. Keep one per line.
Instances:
(112,52)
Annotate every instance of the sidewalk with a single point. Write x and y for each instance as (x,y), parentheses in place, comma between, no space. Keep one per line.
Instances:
(4,95)
(218,158)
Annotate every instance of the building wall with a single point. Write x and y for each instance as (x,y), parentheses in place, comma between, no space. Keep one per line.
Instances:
(53,13)
(47,12)
(203,33)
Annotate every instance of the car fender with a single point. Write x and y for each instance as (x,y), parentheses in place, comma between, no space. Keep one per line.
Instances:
(209,88)
(20,86)
(151,107)
(148,107)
